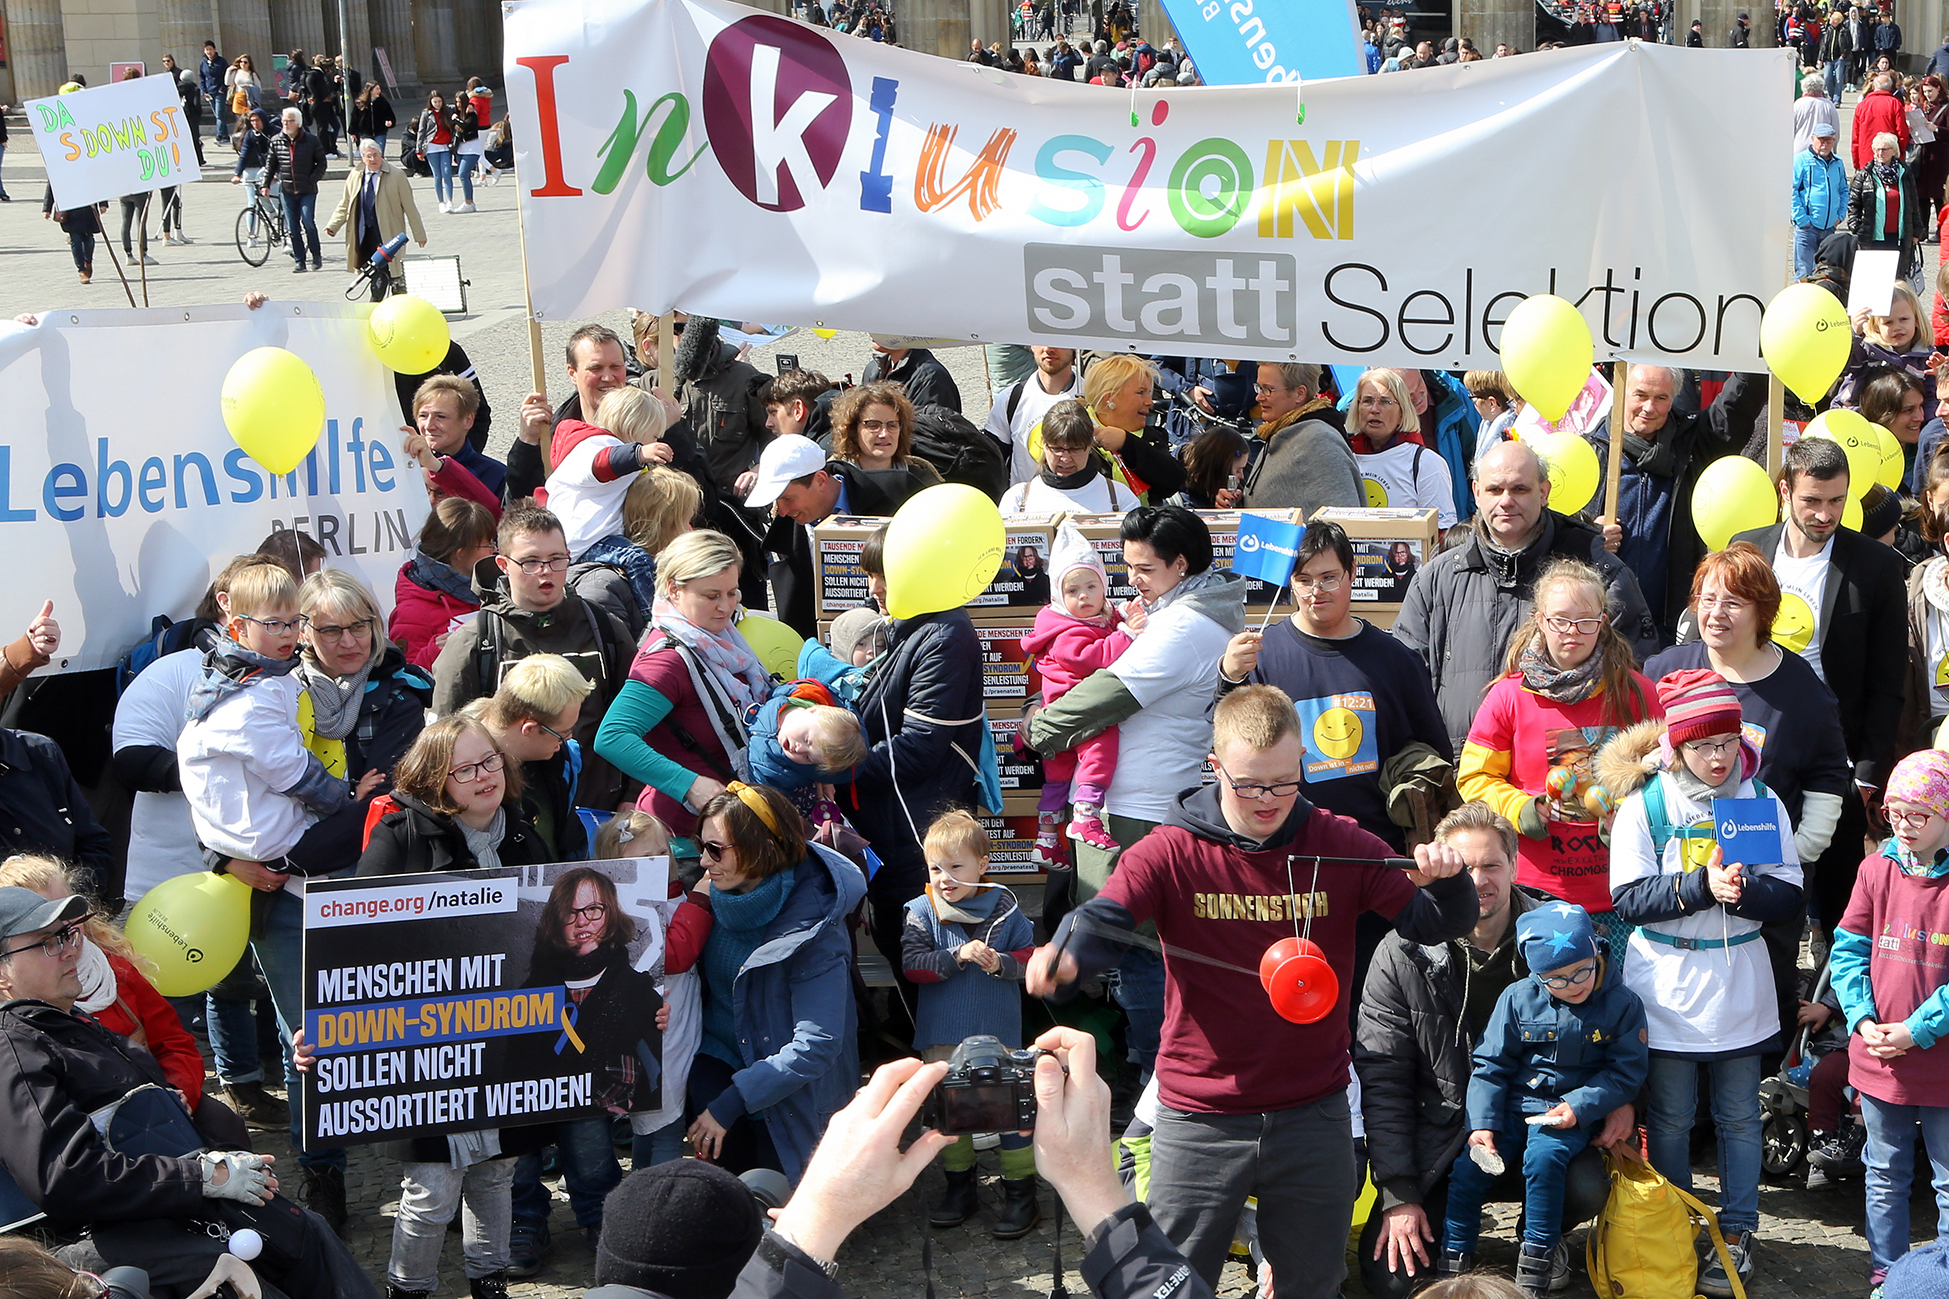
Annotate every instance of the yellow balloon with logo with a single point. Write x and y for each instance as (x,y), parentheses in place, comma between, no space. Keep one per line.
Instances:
(1547,352)
(776,645)
(191,930)
(1574,471)
(943,548)
(1856,437)
(408,333)
(1851,515)
(1894,465)
(1805,338)
(274,407)
(1733,495)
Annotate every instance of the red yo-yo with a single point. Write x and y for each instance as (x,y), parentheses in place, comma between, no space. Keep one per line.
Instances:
(1302,985)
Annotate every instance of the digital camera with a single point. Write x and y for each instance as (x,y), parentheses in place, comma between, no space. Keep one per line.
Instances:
(988,1088)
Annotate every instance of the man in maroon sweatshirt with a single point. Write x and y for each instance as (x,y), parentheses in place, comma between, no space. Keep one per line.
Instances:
(1251,1104)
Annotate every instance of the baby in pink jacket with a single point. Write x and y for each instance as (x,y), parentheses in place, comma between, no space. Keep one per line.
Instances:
(1076,635)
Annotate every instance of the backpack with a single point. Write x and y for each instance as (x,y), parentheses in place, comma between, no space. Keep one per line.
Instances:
(165,637)
(1641,1246)
(1660,820)
(489,648)
(949,441)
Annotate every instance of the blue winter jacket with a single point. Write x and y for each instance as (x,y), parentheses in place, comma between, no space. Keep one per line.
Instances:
(1820,192)
(792,1009)
(1537,1051)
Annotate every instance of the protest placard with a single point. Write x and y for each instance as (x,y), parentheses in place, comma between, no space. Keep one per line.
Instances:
(486,999)
(128,137)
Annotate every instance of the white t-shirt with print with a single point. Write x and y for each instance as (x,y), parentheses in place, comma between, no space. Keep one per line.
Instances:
(1029,410)
(1394,479)
(1803,589)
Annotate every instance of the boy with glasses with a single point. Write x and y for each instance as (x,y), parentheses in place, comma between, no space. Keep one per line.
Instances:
(535,612)
(1252,1103)
(252,785)
(1563,1049)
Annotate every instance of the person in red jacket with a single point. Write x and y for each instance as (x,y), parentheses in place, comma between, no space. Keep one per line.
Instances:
(1879,110)
(435,591)
(121,999)
(1252,1103)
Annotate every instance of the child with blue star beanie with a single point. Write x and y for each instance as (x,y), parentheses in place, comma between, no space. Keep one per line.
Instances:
(1564,1048)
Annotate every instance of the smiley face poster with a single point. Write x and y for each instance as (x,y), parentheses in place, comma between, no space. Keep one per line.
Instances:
(1338,732)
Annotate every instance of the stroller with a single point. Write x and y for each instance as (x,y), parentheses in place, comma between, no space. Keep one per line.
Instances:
(1786,1102)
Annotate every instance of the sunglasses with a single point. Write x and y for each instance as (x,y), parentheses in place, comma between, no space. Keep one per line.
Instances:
(713,851)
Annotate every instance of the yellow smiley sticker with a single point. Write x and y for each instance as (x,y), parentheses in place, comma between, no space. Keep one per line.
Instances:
(1376,494)
(1337,733)
(1793,627)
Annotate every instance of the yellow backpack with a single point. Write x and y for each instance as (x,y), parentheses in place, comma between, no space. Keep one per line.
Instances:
(1642,1245)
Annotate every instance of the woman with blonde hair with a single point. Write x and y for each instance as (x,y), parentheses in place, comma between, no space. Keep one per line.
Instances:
(1569,686)
(1119,392)
(1399,468)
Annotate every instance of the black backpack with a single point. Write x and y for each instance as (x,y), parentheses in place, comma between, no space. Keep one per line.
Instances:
(949,441)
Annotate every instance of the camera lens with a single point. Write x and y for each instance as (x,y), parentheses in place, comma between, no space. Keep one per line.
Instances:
(768,1186)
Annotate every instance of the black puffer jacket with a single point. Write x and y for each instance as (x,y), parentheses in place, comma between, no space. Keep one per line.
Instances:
(296,163)
(56,1069)
(922,713)
(1414,1060)
(413,839)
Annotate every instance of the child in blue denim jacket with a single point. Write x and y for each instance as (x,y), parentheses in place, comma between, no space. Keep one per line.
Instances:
(1564,1048)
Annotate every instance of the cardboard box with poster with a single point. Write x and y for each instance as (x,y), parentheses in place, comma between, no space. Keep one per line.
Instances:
(1389,546)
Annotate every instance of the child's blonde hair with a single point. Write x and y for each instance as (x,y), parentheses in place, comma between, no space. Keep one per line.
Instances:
(1872,331)
(631,834)
(1475,1285)
(261,588)
(632,415)
(956,833)
(842,741)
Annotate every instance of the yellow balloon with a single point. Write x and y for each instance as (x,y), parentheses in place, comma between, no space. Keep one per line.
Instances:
(274,407)
(1805,338)
(1733,495)
(1851,513)
(776,645)
(1546,352)
(1893,464)
(1574,471)
(826,333)
(1857,437)
(408,333)
(192,930)
(943,548)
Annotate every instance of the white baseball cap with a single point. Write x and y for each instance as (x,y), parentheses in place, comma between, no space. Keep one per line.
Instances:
(785,458)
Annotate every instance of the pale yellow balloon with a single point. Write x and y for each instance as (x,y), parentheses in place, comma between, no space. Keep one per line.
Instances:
(1851,515)
(1547,353)
(274,407)
(409,334)
(191,931)
(1856,436)
(1733,495)
(943,548)
(1893,464)
(1805,338)
(1574,471)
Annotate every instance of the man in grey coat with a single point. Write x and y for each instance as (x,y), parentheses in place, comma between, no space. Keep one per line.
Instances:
(1303,457)
(1464,603)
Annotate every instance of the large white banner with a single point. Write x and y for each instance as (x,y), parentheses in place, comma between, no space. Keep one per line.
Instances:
(122,494)
(698,154)
(125,138)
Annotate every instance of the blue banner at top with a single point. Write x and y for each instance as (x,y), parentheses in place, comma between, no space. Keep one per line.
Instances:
(1266,549)
(1250,42)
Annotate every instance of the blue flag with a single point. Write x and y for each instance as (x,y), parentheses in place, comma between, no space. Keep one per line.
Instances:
(1267,549)
(1237,43)
(1748,830)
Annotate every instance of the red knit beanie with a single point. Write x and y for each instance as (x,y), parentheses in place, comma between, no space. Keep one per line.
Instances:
(1698,703)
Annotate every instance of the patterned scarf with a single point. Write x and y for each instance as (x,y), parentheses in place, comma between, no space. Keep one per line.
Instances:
(1561,685)
(226,670)
(335,701)
(725,655)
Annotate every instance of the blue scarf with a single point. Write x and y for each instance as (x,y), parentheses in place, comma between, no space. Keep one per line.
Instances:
(227,669)
(738,929)
(438,575)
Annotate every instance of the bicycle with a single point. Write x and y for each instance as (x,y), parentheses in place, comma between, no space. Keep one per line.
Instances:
(270,234)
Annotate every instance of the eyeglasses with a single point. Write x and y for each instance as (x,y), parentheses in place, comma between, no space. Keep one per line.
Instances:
(468,773)
(1576,978)
(1728,606)
(1267,389)
(360,630)
(714,851)
(1285,789)
(879,426)
(1711,749)
(552,731)
(1913,820)
(68,935)
(593,914)
(536,567)
(1377,402)
(1325,585)
(279,626)
(1582,626)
